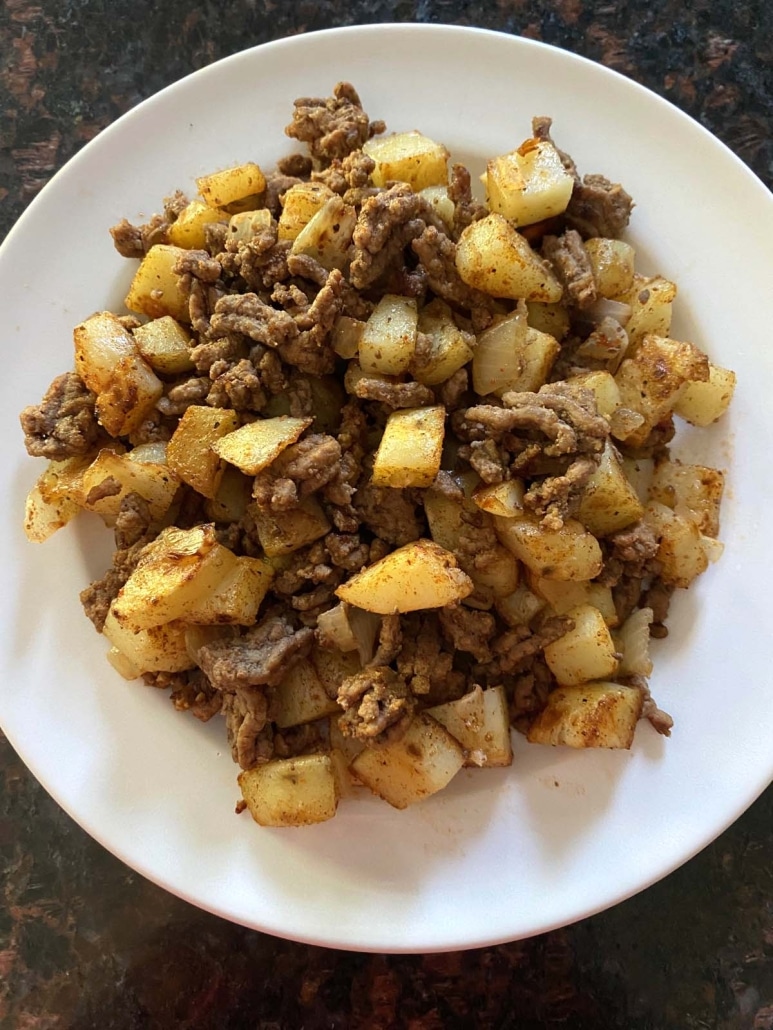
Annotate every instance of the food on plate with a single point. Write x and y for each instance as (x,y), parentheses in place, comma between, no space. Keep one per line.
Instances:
(387,467)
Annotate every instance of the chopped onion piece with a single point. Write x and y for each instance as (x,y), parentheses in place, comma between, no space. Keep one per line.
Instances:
(495,361)
(335,629)
(366,626)
(633,640)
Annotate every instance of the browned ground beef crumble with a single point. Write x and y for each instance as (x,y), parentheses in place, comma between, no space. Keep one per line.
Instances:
(261,321)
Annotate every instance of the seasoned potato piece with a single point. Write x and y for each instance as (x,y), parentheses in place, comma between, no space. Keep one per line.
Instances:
(444,516)
(639,473)
(496,572)
(301,203)
(410,449)
(591,715)
(187,230)
(235,600)
(301,697)
(651,301)
(55,499)
(696,488)
(153,649)
(449,347)
(232,184)
(480,721)
(504,499)
(563,597)
(122,664)
(389,338)
(285,533)
(492,256)
(253,447)
(570,553)
(155,482)
(586,652)
(612,262)
(165,345)
(603,387)
(529,184)
(333,667)
(326,237)
(632,640)
(155,290)
(424,761)
(190,452)
(109,363)
(608,502)
(347,333)
(520,607)
(246,224)
(418,575)
(442,204)
(548,318)
(408,157)
(705,402)
(682,553)
(232,497)
(291,791)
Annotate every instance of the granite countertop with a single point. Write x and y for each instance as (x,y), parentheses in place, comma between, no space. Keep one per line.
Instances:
(84,942)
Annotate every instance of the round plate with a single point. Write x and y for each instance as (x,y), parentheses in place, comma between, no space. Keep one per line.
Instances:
(501,854)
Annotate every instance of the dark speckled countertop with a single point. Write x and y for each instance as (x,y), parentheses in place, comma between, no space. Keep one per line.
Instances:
(84,942)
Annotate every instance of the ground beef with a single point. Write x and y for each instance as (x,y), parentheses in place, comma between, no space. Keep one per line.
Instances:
(390,639)
(386,224)
(311,350)
(248,315)
(453,393)
(351,173)
(519,645)
(571,263)
(529,691)
(134,241)
(192,692)
(598,207)
(64,424)
(261,262)
(468,630)
(133,522)
(99,595)
(660,720)
(466,210)
(425,661)
(540,128)
(347,551)
(487,460)
(311,565)
(393,394)
(236,386)
(246,715)
(228,349)
(261,656)
(389,514)
(179,396)
(377,703)
(658,597)
(299,471)
(297,165)
(199,264)
(108,487)
(437,254)
(332,127)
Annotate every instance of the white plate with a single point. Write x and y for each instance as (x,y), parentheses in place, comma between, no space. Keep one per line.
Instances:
(503,854)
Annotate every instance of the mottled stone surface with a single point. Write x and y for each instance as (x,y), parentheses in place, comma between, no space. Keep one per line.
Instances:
(84,942)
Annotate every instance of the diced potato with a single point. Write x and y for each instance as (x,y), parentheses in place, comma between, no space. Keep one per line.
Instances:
(441,203)
(155,483)
(42,517)
(165,345)
(109,363)
(424,761)
(410,449)
(122,664)
(235,600)
(389,339)
(612,262)
(696,488)
(548,318)
(682,554)
(608,502)
(480,721)
(232,184)
(450,347)
(569,553)
(520,607)
(703,403)
(604,389)
(591,715)
(652,381)
(496,363)
(349,747)
(152,649)
(493,257)
(503,499)
(408,157)
(632,640)
(529,184)
(444,516)
(345,784)
(496,571)
(586,652)
(333,667)
(187,230)
(190,453)
(253,447)
(291,791)
(301,697)
(536,360)
(244,225)
(347,333)
(301,203)
(327,400)
(563,597)
(198,635)
(418,575)
(285,533)
(232,497)
(326,237)
(639,473)
(174,573)
(155,290)
(651,301)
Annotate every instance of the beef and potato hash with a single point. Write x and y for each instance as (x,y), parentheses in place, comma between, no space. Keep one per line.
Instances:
(388,469)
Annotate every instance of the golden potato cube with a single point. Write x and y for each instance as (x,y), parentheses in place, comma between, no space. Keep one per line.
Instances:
(165,345)
(285,533)
(682,553)
(187,230)
(563,597)
(122,664)
(651,301)
(291,791)
(410,449)
(505,499)
(254,446)
(584,653)
(109,363)
(423,762)
(244,225)
(603,387)
(495,572)
(529,184)
(548,318)
(389,339)
(444,517)
(591,715)
(520,607)
(639,473)
(232,184)
(42,517)
(612,262)
(441,203)
(301,202)
(569,553)
(408,157)
(493,257)
(327,235)
(235,600)
(695,487)
(608,501)
(347,333)
(536,357)
(154,482)
(449,347)
(155,289)
(149,649)
(480,721)
(191,453)
(301,697)
(418,575)
(705,402)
